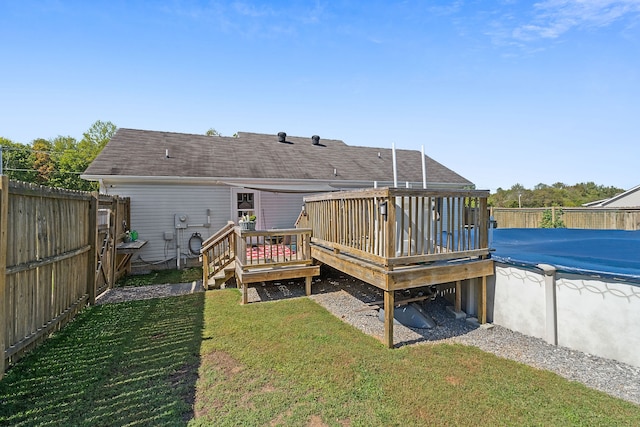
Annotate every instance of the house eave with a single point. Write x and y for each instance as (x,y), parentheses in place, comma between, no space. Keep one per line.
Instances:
(261,182)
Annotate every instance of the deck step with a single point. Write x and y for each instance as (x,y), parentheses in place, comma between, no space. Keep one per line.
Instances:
(221,277)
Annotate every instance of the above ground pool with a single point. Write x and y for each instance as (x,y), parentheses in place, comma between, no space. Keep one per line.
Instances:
(604,253)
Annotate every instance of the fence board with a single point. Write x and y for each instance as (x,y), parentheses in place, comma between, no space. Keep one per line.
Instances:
(48,259)
(574,217)
(4,209)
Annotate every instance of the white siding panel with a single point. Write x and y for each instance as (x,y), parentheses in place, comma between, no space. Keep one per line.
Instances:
(152,214)
(280,210)
(629,201)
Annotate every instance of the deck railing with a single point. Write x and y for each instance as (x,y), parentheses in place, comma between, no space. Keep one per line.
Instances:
(271,248)
(218,251)
(394,226)
(254,249)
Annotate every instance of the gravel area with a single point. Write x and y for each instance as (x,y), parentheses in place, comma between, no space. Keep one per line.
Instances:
(349,299)
(131,293)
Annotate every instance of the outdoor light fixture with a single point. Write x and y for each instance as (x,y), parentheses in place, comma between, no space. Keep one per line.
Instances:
(383,210)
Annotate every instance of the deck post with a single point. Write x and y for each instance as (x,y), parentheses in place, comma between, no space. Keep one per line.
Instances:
(245,296)
(308,285)
(458,304)
(388,318)
(482,300)
(205,269)
(390,228)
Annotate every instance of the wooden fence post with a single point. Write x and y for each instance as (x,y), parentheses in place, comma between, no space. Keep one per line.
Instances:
(117,223)
(92,240)
(4,212)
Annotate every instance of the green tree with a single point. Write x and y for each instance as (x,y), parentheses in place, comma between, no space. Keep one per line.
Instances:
(57,162)
(16,161)
(213,132)
(73,158)
(42,162)
(94,140)
(70,162)
(548,220)
(558,194)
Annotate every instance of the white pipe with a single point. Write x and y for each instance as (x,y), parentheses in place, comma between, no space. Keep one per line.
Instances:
(424,170)
(395,166)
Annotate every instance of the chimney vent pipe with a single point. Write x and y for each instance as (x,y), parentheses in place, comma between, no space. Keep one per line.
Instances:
(282,136)
(315,139)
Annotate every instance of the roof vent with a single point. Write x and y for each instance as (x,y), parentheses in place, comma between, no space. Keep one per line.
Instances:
(315,140)
(282,136)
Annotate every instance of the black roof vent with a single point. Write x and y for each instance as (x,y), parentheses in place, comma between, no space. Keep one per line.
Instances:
(282,136)
(315,140)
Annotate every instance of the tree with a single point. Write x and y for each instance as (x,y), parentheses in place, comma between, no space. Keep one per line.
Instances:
(558,194)
(16,161)
(42,162)
(57,162)
(70,162)
(213,132)
(548,220)
(94,140)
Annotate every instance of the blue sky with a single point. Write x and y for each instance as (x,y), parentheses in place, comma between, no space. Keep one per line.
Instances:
(502,92)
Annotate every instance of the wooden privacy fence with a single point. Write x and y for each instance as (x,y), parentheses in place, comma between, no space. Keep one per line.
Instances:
(586,218)
(114,219)
(49,258)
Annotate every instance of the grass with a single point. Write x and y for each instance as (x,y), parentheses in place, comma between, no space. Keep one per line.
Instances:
(161,277)
(206,360)
(117,364)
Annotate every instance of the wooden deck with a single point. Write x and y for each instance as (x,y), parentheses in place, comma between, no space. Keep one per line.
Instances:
(398,239)
(391,238)
(260,256)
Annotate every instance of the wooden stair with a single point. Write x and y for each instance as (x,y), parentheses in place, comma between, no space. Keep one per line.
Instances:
(218,280)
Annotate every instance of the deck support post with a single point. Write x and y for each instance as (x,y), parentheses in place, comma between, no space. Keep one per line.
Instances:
(245,296)
(482,299)
(458,303)
(308,285)
(389,304)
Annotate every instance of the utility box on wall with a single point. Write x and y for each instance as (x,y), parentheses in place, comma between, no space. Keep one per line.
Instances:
(180,220)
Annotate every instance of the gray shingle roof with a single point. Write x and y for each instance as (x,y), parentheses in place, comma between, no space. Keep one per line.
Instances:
(141,153)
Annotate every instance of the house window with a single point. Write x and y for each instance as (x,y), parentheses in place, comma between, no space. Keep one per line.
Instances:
(245,204)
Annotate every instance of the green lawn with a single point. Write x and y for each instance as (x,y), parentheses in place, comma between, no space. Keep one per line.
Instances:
(161,277)
(204,359)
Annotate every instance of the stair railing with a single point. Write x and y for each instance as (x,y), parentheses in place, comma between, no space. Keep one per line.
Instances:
(218,251)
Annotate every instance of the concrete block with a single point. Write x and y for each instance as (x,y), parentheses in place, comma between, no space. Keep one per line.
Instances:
(473,321)
(457,314)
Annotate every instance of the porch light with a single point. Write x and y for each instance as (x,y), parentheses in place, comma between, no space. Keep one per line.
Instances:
(383,209)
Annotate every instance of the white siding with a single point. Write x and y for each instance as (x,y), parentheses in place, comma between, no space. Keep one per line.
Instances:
(280,210)
(153,207)
(628,201)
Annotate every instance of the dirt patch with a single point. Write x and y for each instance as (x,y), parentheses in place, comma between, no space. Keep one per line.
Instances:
(223,363)
(453,380)
(279,420)
(316,421)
